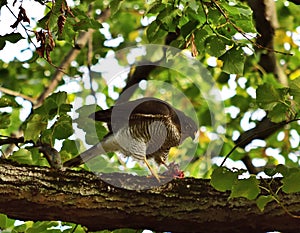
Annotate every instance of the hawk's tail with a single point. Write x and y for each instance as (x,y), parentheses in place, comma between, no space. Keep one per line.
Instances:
(85,156)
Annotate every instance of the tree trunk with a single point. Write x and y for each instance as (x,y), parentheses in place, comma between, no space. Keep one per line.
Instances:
(181,205)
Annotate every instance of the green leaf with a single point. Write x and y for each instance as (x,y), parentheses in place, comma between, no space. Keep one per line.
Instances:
(240,14)
(22,156)
(4,120)
(192,91)
(8,101)
(295,90)
(22,227)
(36,124)
(278,112)
(5,222)
(267,96)
(262,201)
(54,105)
(115,6)
(100,163)
(43,21)
(37,157)
(47,137)
(12,37)
(222,179)
(283,170)
(247,188)
(59,98)
(193,5)
(70,146)
(97,132)
(43,227)
(169,18)
(233,61)
(94,130)
(3,219)
(215,17)
(62,128)
(215,46)
(200,37)
(87,110)
(154,32)
(275,100)
(270,171)
(85,24)
(3,3)
(291,183)
(155,7)
(188,28)
(245,24)
(240,101)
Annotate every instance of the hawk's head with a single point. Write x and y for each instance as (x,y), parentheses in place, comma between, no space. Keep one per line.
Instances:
(186,125)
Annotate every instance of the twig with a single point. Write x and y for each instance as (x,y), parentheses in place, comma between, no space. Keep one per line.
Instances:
(73,53)
(275,197)
(89,63)
(243,33)
(10,140)
(16,94)
(25,29)
(253,136)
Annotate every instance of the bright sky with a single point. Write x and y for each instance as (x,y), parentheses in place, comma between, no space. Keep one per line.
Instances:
(19,50)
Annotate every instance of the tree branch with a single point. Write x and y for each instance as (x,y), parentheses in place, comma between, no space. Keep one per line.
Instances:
(11,140)
(263,129)
(182,205)
(297,2)
(16,94)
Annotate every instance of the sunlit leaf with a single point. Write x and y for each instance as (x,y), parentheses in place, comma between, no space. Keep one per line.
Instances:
(233,61)
(188,28)
(222,179)
(115,5)
(263,200)
(291,182)
(62,128)
(266,94)
(8,101)
(215,46)
(295,90)
(43,227)
(4,120)
(247,188)
(6,222)
(278,112)
(200,37)
(12,37)
(34,127)
(22,156)
(70,146)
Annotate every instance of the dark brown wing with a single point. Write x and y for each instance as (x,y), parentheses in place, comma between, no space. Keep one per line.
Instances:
(144,109)
(131,112)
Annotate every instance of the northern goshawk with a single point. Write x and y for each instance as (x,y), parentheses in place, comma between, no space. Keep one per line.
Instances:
(143,129)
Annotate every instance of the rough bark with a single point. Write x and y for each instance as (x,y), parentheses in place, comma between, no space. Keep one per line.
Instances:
(182,205)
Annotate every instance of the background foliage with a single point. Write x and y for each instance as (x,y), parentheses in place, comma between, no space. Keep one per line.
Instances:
(39,92)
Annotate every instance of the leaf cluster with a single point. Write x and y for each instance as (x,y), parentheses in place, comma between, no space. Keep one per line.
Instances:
(224,179)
